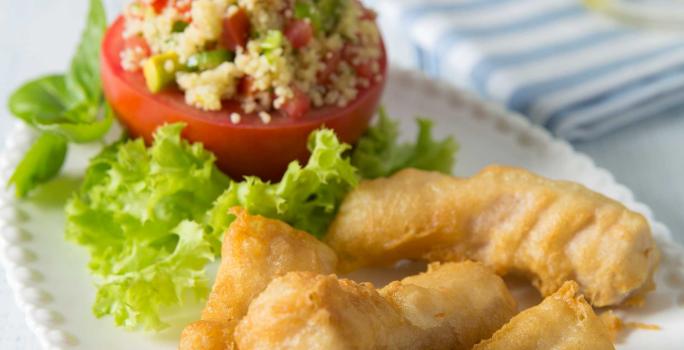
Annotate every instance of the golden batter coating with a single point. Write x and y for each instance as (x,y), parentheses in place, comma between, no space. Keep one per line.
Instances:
(455,305)
(563,321)
(452,306)
(508,218)
(255,251)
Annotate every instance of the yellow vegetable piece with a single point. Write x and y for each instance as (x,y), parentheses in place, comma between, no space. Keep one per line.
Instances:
(160,71)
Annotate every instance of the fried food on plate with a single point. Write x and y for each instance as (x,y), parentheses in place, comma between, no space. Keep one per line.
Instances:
(563,321)
(453,303)
(452,306)
(510,219)
(255,251)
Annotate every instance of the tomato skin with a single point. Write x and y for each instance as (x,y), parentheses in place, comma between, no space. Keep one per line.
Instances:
(235,30)
(299,33)
(247,148)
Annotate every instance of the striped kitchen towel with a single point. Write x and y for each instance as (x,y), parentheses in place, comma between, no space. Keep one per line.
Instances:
(576,72)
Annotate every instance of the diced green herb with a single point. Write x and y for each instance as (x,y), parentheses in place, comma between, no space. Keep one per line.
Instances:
(208,59)
(305,9)
(330,11)
(323,14)
(273,40)
(179,26)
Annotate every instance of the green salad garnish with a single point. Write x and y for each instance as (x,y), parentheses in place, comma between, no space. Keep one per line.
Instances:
(379,153)
(306,197)
(139,213)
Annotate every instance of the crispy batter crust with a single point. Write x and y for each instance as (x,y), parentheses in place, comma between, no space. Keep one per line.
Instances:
(563,321)
(508,218)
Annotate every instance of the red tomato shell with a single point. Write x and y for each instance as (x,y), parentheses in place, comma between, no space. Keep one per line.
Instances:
(247,148)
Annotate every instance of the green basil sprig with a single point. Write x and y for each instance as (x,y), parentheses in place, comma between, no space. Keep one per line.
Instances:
(66,108)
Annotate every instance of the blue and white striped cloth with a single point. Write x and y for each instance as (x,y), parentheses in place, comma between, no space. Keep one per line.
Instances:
(574,71)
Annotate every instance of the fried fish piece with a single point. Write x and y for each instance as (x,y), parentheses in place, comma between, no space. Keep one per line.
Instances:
(452,306)
(255,250)
(455,305)
(508,218)
(563,321)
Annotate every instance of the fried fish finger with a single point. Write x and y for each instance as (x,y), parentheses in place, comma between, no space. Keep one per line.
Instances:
(451,306)
(255,251)
(457,304)
(563,321)
(508,218)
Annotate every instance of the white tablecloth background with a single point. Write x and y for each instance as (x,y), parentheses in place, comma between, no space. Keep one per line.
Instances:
(38,36)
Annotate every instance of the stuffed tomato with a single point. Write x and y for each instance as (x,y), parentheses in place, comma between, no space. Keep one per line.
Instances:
(251,79)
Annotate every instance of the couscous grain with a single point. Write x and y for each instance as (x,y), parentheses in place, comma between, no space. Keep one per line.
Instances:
(275,50)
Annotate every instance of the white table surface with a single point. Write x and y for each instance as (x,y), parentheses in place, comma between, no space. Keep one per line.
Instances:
(38,36)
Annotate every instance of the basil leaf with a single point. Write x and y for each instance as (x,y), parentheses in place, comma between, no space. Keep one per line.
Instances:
(40,164)
(87,131)
(40,101)
(83,77)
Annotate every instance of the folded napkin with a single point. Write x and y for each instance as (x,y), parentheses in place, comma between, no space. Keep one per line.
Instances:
(576,72)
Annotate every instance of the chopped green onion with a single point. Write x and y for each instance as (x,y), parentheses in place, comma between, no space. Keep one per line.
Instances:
(179,26)
(330,11)
(307,10)
(208,59)
(273,40)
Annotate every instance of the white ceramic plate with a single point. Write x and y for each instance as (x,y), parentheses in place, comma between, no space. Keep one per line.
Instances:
(53,287)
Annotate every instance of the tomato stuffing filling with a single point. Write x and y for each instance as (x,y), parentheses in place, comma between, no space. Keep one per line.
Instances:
(278,55)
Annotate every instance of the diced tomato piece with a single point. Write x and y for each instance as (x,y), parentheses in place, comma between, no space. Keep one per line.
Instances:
(332,62)
(182,6)
(299,33)
(235,30)
(246,86)
(137,41)
(158,5)
(298,106)
(364,70)
(369,14)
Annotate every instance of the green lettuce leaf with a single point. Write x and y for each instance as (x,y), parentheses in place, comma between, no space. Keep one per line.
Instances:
(379,154)
(306,197)
(139,213)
